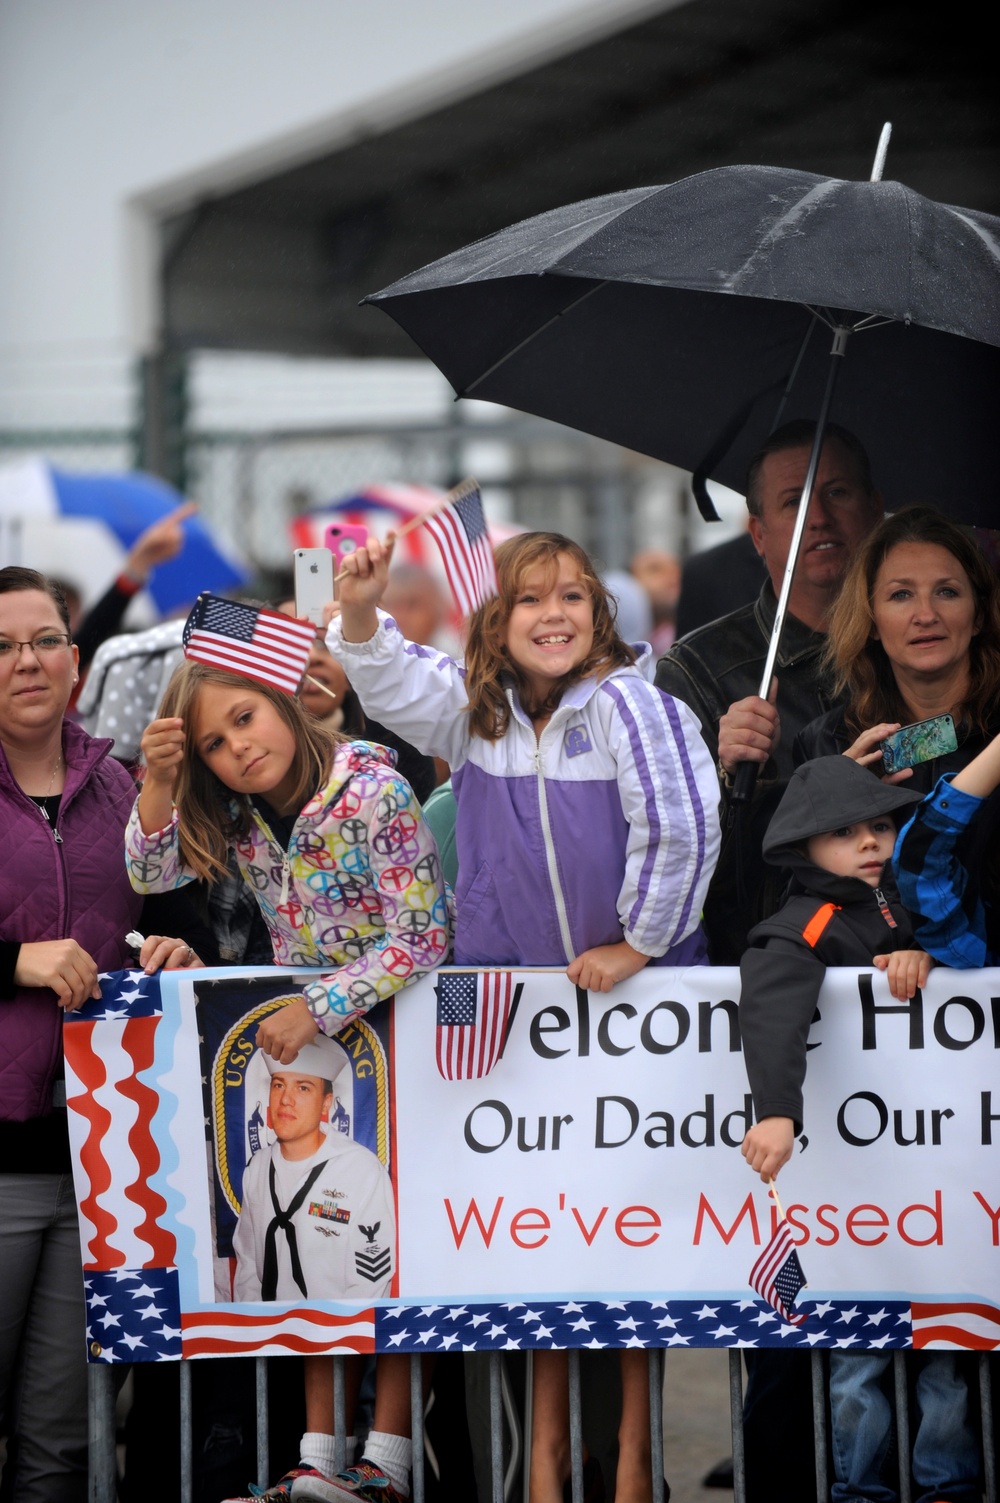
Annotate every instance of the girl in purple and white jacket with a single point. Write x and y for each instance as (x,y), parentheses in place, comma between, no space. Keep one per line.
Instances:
(587,801)
(587,825)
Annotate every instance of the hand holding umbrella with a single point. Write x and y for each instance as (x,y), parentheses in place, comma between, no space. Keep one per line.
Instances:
(749,732)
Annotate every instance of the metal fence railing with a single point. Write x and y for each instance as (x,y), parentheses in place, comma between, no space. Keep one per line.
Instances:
(508,1445)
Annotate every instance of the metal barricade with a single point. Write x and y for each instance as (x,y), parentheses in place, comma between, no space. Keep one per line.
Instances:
(508,1479)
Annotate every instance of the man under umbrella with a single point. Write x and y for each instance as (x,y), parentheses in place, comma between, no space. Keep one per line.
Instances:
(717,669)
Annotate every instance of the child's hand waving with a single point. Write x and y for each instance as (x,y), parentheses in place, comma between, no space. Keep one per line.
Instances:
(905,970)
(768,1145)
(363,578)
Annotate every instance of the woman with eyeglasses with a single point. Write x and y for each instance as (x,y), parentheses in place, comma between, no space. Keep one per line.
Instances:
(66,905)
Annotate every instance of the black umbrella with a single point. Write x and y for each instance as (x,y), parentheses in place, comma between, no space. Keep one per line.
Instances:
(672,319)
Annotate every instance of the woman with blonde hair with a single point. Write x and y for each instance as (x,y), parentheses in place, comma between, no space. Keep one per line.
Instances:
(915,634)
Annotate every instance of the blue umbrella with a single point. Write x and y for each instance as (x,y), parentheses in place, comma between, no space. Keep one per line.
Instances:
(127,505)
(31,490)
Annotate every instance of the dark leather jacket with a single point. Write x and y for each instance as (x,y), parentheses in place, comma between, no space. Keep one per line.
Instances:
(709,670)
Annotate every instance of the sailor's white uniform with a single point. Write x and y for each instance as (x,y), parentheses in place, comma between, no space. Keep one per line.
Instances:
(318,1228)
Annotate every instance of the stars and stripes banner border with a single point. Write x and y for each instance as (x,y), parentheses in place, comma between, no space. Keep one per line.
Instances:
(651,1324)
(134,1315)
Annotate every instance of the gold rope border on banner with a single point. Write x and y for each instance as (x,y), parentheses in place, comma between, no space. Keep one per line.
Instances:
(381,1087)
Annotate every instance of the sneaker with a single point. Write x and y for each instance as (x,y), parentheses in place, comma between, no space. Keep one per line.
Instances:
(281,1491)
(365,1482)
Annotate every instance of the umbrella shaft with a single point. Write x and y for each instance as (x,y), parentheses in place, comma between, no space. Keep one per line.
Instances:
(839,346)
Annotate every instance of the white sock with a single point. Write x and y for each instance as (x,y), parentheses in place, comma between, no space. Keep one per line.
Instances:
(393,1453)
(317,1449)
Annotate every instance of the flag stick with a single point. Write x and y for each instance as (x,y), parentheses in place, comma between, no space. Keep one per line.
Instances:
(774,1191)
(464,488)
(317,685)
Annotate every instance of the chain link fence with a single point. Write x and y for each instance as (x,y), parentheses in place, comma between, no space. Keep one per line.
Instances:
(252,484)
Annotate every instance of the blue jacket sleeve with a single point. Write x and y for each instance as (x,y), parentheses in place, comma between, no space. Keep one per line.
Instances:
(947,912)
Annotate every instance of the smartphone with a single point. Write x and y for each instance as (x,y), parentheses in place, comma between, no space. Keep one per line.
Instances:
(343,538)
(313,582)
(920,742)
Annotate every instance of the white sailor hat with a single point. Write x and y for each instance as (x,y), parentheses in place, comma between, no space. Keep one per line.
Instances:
(322,1057)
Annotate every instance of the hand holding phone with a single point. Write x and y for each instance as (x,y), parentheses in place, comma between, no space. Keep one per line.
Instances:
(920,742)
(313,582)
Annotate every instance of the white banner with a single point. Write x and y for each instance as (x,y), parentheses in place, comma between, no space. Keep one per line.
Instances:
(589,1189)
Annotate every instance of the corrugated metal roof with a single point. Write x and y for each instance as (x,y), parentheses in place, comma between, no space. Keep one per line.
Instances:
(281,265)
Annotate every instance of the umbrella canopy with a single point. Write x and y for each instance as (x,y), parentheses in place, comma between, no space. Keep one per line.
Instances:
(126,504)
(671,319)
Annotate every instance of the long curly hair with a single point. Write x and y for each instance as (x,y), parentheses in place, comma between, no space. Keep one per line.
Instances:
(210,815)
(489,666)
(858,660)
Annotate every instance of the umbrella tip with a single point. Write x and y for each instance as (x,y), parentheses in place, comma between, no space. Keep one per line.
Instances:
(880,154)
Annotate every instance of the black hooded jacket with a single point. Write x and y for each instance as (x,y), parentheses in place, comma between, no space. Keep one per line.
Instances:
(826,920)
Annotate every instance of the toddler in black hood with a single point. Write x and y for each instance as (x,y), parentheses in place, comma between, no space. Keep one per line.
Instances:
(834,830)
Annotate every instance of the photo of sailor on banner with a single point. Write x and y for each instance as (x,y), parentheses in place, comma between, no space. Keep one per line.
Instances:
(303,1199)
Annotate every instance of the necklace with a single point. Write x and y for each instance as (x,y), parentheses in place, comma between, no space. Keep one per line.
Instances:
(47,794)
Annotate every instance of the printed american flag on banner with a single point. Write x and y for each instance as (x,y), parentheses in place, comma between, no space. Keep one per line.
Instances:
(459,529)
(305,1330)
(777,1274)
(109,1045)
(135,1315)
(263,645)
(967,1323)
(473,1013)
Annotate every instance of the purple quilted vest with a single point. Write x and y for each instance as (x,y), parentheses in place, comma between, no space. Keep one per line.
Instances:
(77,890)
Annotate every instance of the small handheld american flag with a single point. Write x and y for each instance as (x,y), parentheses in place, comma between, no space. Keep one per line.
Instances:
(474,1011)
(459,529)
(262,645)
(777,1274)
